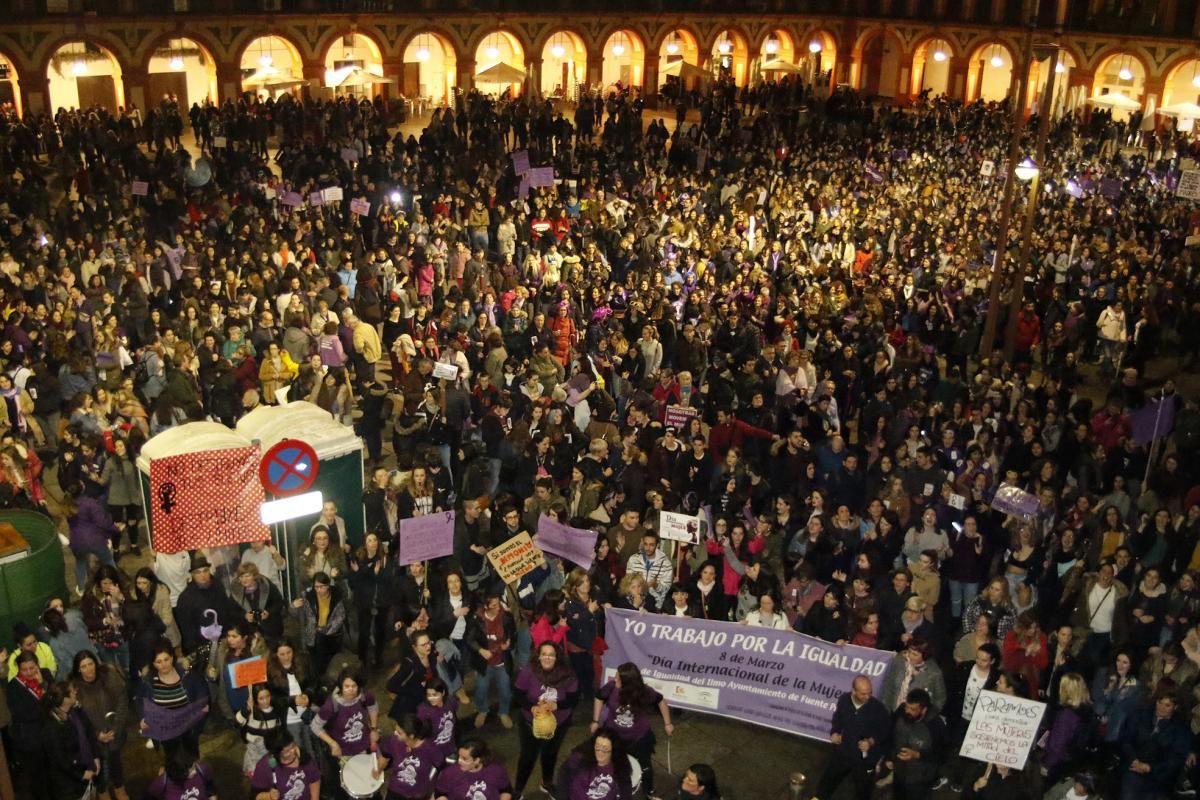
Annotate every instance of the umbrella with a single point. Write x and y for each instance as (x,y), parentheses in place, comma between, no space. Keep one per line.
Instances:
(1115,100)
(200,174)
(685,70)
(360,77)
(1181,110)
(284,83)
(779,65)
(500,73)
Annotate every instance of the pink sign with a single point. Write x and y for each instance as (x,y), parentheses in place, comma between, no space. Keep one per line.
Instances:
(360,206)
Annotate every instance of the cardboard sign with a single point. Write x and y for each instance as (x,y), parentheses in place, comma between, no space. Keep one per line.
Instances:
(1189,185)
(520,162)
(426,538)
(1002,730)
(958,501)
(679,527)
(248,672)
(541,177)
(573,544)
(679,416)
(515,558)
(987,168)
(140,188)
(206,498)
(315,199)
(219,142)
(292,199)
(443,370)
(360,207)
(333,193)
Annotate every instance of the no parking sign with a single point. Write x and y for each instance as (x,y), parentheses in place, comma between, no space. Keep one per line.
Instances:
(288,468)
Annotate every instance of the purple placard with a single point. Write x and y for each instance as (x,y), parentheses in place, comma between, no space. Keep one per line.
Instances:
(140,188)
(1018,502)
(520,162)
(169,723)
(349,154)
(1152,421)
(425,538)
(574,544)
(314,199)
(541,176)
(1074,189)
(780,679)
(873,174)
(679,416)
(360,206)
(291,199)
(524,190)
(1110,188)
(899,155)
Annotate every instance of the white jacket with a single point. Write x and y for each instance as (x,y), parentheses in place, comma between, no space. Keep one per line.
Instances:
(1111,325)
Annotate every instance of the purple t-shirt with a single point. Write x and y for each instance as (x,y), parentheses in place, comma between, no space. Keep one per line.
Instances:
(410,770)
(597,783)
(198,786)
(291,782)
(486,784)
(349,725)
(625,721)
(537,692)
(443,721)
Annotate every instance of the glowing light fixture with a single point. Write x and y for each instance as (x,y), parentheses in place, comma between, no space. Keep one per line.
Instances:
(672,48)
(557,50)
(493,51)
(1196,81)
(815,46)
(724,47)
(422,54)
(79,68)
(939,55)
(1060,68)
(772,46)
(265,59)
(1125,74)
(618,47)
(997,61)
(1026,170)
(176,63)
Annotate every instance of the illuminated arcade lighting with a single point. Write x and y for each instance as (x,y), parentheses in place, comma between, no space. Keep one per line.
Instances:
(672,48)
(618,49)
(1125,74)
(724,47)
(1060,68)
(557,51)
(265,59)
(79,68)
(176,63)
(939,55)
(1196,81)
(493,51)
(814,46)
(772,47)
(423,54)
(997,61)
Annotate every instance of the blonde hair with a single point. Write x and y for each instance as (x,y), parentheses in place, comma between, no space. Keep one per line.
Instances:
(1073,691)
(630,580)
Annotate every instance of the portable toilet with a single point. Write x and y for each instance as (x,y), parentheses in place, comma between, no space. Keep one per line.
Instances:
(339,476)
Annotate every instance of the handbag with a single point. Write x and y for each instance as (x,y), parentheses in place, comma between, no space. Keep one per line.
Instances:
(545,725)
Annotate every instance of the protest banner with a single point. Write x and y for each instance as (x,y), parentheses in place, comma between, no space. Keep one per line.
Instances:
(139,188)
(333,193)
(443,370)
(873,173)
(679,416)
(541,176)
(987,168)
(679,527)
(164,724)
(1018,502)
(291,199)
(1002,730)
(520,162)
(316,199)
(349,154)
(1110,188)
(247,672)
(524,188)
(779,679)
(573,544)
(425,538)
(1188,186)
(515,557)
(360,206)
(219,142)
(209,498)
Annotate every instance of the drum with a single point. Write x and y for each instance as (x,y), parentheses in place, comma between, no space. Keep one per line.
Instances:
(357,780)
(635,774)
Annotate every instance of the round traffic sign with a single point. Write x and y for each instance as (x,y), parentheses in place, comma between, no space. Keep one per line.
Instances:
(290,467)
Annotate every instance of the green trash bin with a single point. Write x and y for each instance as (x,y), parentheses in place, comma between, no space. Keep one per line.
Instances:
(28,580)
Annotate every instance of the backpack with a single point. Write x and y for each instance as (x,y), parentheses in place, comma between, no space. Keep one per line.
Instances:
(148,387)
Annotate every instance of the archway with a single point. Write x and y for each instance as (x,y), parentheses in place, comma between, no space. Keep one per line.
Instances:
(818,53)
(564,65)
(931,68)
(10,88)
(877,63)
(990,72)
(353,66)
(1121,72)
(1183,83)
(776,56)
(271,65)
(430,67)
(1064,100)
(623,57)
(730,57)
(679,59)
(497,50)
(85,75)
(184,69)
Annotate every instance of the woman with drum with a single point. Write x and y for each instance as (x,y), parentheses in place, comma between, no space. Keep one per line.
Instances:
(413,758)
(625,700)
(348,719)
(285,773)
(475,777)
(545,692)
(598,769)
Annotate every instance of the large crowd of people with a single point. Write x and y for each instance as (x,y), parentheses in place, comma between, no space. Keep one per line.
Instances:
(767,315)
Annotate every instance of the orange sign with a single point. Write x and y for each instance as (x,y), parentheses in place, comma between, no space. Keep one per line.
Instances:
(248,672)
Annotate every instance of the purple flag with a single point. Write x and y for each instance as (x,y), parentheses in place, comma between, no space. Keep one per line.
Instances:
(1110,188)
(1074,189)
(873,174)
(1153,420)
(541,176)
(291,199)
(776,678)
(169,723)
(520,162)
(574,544)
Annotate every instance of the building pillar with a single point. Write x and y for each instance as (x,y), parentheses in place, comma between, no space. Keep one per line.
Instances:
(650,80)
(135,91)
(464,78)
(533,77)
(229,82)
(594,71)
(956,79)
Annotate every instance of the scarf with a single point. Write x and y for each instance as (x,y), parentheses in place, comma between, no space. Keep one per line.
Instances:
(36,687)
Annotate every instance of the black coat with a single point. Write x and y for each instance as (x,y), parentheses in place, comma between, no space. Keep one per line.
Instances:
(61,746)
(29,717)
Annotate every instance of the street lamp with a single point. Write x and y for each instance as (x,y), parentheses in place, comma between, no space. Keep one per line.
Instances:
(1027,170)
(814,46)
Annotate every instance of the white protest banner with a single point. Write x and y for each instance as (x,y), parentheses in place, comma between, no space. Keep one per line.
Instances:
(679,527)
(515,557)
(425,538)
(987,168)
(219,142)
(331,194)
(573,544)
(444,370)
(1002,730)
(1189,185)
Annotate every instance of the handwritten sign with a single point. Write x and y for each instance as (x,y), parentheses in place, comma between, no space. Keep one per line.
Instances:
(315,199)
(958,501)
(679,416)
(219,142)
(520,162)
(515,558)
(443,370)
(247,672)
(1189,185)
(1002,730)
(426,538)
(541,176)
(679,527)
(332,194)
(207,498)
(140,188)
(360,207)
(1018,502)
(292,199)
(573,544)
